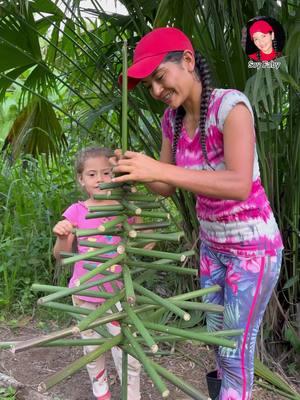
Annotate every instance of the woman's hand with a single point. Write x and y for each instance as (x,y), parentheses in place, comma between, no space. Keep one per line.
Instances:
(136,167)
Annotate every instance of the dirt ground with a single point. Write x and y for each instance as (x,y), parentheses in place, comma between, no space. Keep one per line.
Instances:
(190,363)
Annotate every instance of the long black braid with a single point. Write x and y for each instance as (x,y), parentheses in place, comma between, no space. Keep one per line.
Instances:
(203,72)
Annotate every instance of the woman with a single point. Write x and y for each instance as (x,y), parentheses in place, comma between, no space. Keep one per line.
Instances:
(209,135)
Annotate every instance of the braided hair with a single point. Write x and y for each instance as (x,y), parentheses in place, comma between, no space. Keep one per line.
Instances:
(203,73)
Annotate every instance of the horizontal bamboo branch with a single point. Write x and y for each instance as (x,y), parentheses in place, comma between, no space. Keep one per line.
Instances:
(69,291)
(36,287)
(163,302)
(76,365)
(163,267)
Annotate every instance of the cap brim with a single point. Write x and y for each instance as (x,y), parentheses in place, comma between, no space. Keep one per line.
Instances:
(141,69)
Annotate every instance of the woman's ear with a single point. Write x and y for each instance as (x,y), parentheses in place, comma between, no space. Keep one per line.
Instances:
(189,60)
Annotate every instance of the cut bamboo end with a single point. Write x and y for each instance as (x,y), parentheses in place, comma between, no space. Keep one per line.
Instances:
(138,211)
(101,228)
(131,300)
(42,387)
(182,258)
(133,189)
(12,349)
(165,393)
(132,234)
(40,301)
(121,249)
(75,331)
(77,282)
(154,348)
(186,317)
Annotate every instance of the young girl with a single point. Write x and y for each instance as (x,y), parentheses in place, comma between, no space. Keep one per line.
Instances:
(209,135)
(92,168)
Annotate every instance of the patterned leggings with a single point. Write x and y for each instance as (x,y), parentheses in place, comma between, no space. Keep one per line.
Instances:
(247,285)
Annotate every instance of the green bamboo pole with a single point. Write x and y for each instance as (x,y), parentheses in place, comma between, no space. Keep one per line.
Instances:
(174,237)
(107,207)
(182,385)
(69,291)
(202,337)
(186,305)
(36,287)
(163,302)
(128,196)
(76,365)
(98,245)
(95,314)
(124,380)
(124,98)
(84,256)
(156,254)
(108,196)
(131,207)
(92,232)
(111,224)
(167,268)
(151,225)
(138,323)
(146,363)
(129,290)
(98,270)
(101,214)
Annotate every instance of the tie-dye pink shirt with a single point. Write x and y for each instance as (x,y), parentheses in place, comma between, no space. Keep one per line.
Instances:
(76,214)
(245,228)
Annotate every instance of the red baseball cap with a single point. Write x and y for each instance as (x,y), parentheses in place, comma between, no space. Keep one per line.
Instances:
(260,26)
(152,49)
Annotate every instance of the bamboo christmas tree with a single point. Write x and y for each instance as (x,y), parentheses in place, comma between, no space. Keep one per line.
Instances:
(140,335)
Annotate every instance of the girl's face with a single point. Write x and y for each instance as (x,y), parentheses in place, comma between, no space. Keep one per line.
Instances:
(172,83)
(96,170)
(263,41)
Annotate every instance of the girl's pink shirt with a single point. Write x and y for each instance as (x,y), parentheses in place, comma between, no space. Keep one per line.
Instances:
(76,214)
(245,228)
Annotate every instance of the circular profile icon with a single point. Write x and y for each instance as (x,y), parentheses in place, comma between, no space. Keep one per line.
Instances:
(265,39)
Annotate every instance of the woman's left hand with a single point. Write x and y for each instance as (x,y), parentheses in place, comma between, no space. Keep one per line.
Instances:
(137,167)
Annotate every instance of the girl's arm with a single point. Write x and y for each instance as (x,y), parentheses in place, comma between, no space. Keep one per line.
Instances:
(232,183)
(64,238)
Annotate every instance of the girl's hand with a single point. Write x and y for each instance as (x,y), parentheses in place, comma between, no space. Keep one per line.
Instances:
(137,167)
(63,229)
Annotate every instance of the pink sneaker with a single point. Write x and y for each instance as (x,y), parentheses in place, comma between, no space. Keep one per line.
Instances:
(106,396)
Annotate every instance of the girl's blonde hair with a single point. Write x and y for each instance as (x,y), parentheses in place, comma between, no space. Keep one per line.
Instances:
(90,152)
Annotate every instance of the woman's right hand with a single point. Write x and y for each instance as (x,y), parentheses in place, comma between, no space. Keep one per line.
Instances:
(63,229)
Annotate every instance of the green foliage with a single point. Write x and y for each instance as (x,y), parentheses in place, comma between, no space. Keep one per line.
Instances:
(32,198)
(7,393)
